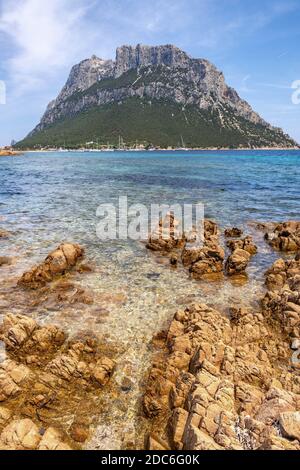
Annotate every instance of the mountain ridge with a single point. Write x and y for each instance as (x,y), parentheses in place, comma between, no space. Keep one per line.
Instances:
(157,73)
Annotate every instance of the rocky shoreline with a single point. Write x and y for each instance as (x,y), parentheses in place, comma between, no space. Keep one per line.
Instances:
(9,153)
(50,384)
(232,382)
(219,379)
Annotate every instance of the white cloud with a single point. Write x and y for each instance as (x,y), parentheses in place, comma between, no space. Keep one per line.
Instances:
(42,35)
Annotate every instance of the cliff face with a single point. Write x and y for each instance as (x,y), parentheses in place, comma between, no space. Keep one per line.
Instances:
(152,73)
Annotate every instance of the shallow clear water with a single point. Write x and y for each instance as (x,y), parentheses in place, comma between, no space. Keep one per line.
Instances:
(49,198)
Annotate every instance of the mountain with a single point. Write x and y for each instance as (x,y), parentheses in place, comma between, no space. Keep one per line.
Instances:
(154,96)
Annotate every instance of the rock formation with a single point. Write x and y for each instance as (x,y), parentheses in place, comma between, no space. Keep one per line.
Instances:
(285,237)
(57,263)
(233,232)
(223,383)
(242,251)
(205,262)
(204,259)
(282,302)
(167,236)
(24,434)
(47,379)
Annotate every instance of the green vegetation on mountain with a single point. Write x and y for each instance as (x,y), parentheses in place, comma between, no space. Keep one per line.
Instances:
(157,122)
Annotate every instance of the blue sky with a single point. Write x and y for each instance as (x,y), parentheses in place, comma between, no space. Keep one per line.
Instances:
(255,43)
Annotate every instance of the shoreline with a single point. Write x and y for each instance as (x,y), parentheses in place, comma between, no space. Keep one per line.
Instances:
(265,149)
(10,153)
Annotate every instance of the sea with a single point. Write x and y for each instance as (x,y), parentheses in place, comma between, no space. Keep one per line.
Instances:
(48,198)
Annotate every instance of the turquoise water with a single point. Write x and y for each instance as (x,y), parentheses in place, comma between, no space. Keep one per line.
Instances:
(47,198)
(63,190)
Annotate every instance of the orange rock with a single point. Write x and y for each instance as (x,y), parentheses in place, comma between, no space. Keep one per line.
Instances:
(57,263)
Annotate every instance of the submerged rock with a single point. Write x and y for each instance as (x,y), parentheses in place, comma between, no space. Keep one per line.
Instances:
(5,261)
(4,234)
(24,434)
(47,378)
(233,232)
(57,263)
(202,254)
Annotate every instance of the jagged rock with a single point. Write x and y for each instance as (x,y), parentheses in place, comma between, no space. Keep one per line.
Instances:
(5,415)
(23,334)
(245,244)
(283,272)
(290,424)
(176,426)
(57,263)
(285,237)
(275,403)
(221,382)
(167,236)
(102,371)
(24,434)
(204,259)
(154,444)
(60,379)
(233,232)
(278,443)
(20,435)
(208,262)
(238,262)
(211,229)
(52,440)
(282,302)
(201,259)
(17,329)
(198,440)
(12,377)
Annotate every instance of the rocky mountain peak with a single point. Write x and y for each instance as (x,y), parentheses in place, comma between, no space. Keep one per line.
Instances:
(84,75)
(161,74)
(129,57)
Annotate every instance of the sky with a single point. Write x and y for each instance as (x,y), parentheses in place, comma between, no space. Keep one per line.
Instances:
(254,42)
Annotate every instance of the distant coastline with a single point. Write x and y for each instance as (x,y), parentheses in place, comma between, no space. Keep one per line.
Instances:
(223,149)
